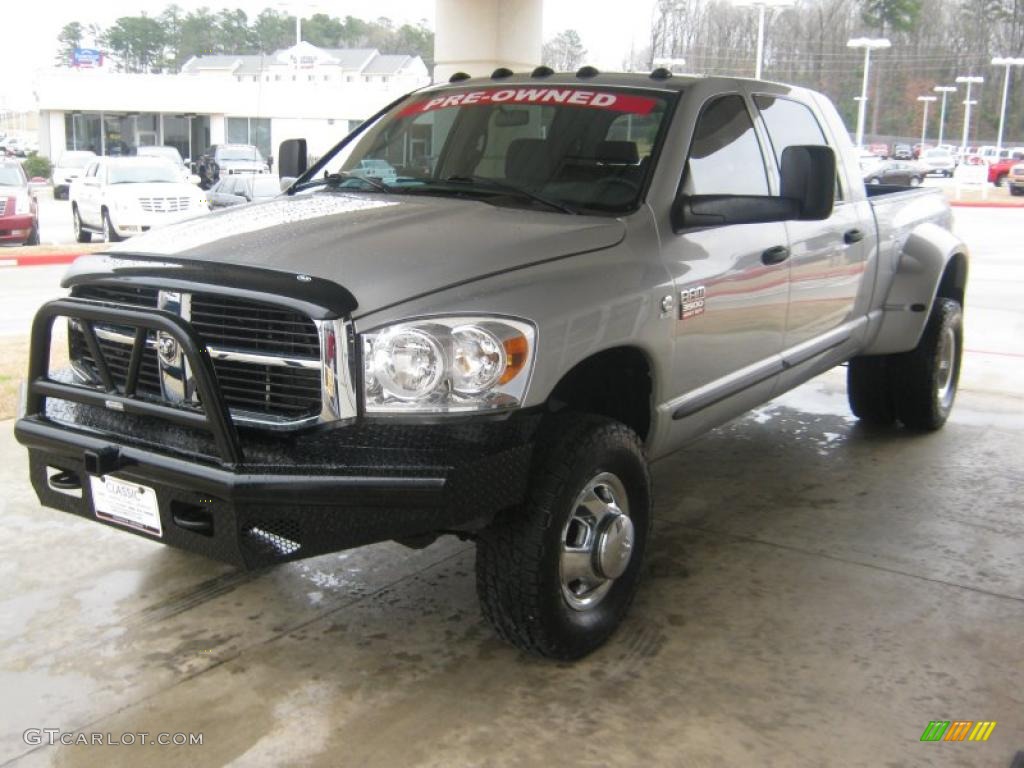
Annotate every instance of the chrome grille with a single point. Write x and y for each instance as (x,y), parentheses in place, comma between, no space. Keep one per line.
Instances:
(3,206)
(164,204)
(266,357)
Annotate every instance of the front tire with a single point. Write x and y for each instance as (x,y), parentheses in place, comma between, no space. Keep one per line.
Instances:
(33,238)
(81,235)
(556,576)
(109,233)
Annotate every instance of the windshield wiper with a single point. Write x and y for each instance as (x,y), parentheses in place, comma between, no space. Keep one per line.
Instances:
(503,186)
(336,179)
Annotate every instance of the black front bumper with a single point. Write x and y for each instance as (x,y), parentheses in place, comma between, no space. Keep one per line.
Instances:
(428,480)
(254,498)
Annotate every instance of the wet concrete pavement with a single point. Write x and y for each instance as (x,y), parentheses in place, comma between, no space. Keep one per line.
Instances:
(816,593)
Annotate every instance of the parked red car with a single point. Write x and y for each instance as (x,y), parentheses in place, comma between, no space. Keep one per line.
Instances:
(997,172)
(19,216)
(879,150)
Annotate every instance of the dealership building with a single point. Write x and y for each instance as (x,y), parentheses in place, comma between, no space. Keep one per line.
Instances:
(305,92)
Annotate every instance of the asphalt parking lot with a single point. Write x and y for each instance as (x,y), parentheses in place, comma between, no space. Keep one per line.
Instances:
(816,593)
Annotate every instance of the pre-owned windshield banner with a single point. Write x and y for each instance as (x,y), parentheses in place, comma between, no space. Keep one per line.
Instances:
(574,97)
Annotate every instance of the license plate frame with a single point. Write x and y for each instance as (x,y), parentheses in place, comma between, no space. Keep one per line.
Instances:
(127,504)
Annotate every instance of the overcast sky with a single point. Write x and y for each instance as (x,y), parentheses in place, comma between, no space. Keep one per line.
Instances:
(28,32)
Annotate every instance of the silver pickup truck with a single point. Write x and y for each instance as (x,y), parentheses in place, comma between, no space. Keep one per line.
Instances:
(562,278)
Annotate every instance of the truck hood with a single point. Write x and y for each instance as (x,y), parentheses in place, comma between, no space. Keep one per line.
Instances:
(384,249)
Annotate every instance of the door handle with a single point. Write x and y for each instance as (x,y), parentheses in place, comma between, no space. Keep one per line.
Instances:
(853,236)
(775,255)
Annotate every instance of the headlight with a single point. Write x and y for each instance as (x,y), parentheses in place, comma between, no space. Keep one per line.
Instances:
(23,205)
(447,365)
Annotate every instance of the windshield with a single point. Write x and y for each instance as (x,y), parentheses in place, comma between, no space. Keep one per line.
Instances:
(11,176)
(76,160)
(568,148)
(167,153)
(238,153)
(143,173)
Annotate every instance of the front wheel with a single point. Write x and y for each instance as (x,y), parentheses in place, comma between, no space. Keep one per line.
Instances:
(81,235)
(33,238)
(555,576)
(1000,179)
(109,233)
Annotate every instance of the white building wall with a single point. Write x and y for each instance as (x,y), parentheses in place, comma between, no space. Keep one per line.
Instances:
(300,108)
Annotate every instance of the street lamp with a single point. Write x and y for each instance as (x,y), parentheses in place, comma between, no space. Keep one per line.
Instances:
(945,90)
(762,6)
(969,80)
(926,101)
(1003,61)
(869,44)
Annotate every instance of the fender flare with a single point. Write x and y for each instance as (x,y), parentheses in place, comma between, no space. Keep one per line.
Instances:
(932,262)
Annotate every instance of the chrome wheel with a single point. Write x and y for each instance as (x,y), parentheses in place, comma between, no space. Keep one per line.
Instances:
(945,383)
(76,223)
(597,542)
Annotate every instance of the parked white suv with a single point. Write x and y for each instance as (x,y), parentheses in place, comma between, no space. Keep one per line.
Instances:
(120,197)
(938,160)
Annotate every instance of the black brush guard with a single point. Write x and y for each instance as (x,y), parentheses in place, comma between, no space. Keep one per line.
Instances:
(376,482)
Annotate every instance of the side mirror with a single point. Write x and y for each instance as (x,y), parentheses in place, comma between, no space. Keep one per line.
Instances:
(291,158)
(808,194)
(194,179)
(809,179)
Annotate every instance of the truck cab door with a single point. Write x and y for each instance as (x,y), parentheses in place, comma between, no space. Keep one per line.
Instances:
(731,282)
(828,258)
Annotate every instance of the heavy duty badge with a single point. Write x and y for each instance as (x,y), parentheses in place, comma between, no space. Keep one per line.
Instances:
(691,302)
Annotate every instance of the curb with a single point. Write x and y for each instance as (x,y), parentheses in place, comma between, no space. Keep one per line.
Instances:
(983,204)
(36,259)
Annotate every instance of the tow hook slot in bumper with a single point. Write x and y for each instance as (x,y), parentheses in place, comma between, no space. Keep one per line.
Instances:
(102,461)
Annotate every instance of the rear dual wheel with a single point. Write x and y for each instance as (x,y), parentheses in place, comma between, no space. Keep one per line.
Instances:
(918,387)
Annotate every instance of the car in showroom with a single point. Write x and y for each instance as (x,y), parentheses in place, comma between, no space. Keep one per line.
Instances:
(19,214)
(68,168)
(999,171)
(118,197)
(228,160)
(904,173)
(241,189)
(938,160)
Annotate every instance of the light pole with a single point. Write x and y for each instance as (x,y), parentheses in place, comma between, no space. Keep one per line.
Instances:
(926,101)
(945,90)
(1003,61)
(762,7)
(969,80)
(869,44)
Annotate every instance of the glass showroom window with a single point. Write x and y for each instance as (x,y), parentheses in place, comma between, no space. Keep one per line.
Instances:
(250,130)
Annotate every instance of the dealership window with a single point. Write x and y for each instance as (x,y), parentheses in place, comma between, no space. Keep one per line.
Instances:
(250,130)
(82,131)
